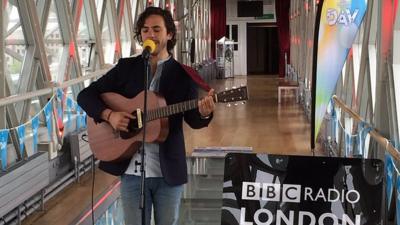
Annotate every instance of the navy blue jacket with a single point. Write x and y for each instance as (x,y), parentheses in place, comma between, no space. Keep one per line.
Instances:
(126,79)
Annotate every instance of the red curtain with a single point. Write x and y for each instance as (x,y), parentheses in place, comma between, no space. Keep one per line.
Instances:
(218,22)
(282,14)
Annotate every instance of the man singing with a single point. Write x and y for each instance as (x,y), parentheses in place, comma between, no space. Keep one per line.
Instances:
(165,162)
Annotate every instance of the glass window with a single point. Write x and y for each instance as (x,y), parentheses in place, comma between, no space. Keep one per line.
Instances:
(84,41)
(15,46)
(396,78)
(344,74)
(234,33)
(83,32)
(235,36)
(99,7)
(396,63)
(35,104)
(356,63)
(53,42)
(134,5)
(372,69)
(108,39)
(125,35)
(141,6)
(172,5)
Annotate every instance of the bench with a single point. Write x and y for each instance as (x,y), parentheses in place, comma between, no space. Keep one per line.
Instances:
(285,85)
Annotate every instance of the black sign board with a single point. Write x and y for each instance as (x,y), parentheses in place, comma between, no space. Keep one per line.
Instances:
(250,8)
(301,190)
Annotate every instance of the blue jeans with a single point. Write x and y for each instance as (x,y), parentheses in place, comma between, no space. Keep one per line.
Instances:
(164,198)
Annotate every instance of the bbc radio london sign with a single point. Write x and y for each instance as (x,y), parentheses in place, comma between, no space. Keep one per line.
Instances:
(298,190)
(295,194)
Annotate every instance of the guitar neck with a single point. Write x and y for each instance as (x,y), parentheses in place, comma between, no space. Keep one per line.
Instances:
(171,109)
(236,94)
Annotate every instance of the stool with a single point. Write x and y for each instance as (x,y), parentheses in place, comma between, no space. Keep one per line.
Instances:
(288,85)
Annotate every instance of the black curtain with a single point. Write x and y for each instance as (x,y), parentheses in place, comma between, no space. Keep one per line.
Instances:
(282,13)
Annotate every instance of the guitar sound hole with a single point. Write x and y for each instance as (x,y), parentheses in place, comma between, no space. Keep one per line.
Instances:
(133,128)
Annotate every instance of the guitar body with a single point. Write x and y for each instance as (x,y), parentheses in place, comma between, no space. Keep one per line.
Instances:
(108,145)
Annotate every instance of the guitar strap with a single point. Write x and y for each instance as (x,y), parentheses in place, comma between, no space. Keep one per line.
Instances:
(196,77)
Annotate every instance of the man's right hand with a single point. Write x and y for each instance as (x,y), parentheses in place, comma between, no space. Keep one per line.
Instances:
(118,120)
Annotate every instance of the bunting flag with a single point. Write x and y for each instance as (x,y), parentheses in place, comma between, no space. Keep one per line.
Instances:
(347,141)
(398,199)
(83,118)
(348,136)
(3,148)
(363,130)
(334,123)
(360,141)
(81,121)
(60,99)
(389,170)
(48,114)
(35,127)
(111,215)
(330,107)
(69,110)
(338,113)
(332,112)
(21,139)
(78,116)
(337,28)
(60,112)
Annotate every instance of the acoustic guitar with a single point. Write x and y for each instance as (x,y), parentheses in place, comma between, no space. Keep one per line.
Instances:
(110,145)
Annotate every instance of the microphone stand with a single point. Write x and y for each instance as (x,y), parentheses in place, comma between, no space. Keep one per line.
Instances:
(146,57)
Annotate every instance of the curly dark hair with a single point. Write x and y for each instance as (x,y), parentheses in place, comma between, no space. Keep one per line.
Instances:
(168,20)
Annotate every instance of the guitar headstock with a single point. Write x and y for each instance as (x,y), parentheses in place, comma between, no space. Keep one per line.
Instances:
(232,95)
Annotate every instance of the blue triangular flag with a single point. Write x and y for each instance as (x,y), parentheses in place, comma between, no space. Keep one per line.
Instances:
(59,105)
(59,94)
(389,178)
(398,199)
(78,117)
(3,148)
(83,117)
(21,139)
(35,127)
(48,113)
(69,109)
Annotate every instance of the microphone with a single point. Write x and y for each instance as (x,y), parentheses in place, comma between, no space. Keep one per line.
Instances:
(148,47)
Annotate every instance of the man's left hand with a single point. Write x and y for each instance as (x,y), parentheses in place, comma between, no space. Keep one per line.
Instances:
(206,105)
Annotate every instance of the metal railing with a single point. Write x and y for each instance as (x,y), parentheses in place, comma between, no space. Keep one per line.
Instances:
(37,201)
(385,143)
(49,90)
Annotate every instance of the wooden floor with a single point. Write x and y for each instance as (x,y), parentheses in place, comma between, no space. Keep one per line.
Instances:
(260,123)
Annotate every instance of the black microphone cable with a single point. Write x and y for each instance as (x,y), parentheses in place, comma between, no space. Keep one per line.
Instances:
(93,176)
(84,138)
